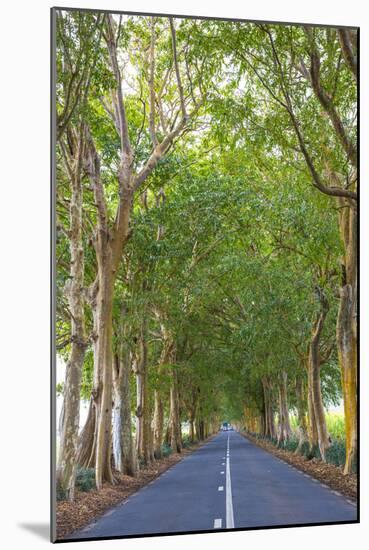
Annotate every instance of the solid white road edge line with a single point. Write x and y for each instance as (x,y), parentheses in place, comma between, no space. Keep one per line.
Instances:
(229,503)
(218,523)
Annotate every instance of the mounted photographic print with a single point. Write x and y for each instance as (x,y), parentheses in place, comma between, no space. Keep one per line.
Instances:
(204,375)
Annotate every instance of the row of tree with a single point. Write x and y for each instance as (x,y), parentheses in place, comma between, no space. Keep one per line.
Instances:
(206,233)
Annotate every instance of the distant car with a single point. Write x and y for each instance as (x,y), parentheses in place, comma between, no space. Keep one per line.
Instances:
(226,427)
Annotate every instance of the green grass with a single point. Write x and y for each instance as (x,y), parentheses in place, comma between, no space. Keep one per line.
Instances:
(336,425)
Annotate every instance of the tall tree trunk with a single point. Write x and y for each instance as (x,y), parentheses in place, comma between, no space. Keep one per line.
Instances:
(301,413)
(268,405)
(191,434)
(104,365)
(66,468)
(123,449)
(174,416)
(314,376)
(284,419)
(109,245)
(142,410)
(347,331)
(262,423)
(158,423)
(200,429)
(86,442)
(192,415)
(313,430)
(165,358)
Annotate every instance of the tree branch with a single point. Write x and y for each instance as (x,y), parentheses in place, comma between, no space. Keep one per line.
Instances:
(326,102)
(347,50)
(151,85)
(179,82)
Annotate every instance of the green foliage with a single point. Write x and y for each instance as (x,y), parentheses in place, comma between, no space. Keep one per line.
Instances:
(290,444)
(85,479)
(336,453)
(60,494)
(186,441)
(166,450)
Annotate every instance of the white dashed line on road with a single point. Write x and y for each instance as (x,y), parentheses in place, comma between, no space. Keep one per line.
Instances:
(229,502)
(218,523)
(220,488)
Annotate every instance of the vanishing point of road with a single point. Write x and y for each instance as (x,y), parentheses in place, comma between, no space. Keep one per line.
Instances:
(227,483)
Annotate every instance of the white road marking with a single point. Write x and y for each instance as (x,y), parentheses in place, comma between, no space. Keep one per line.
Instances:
(220,488)
(223,463)
(217,523)
(229,503)
(222,473)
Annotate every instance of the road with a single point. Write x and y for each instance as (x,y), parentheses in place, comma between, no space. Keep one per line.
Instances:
(228,482)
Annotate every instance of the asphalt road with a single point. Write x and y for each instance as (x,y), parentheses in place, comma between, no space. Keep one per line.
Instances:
(228,482)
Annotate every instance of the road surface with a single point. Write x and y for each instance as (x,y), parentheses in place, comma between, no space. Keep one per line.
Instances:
(227,483)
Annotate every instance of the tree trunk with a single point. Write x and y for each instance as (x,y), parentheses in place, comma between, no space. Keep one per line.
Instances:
(129,464)
(174,416)
(142,410)
(86,442)
(123,450)
(314,377)
(284,419)
(104,365)
(165,358)
(66,468)
(301,414)
(192,429)
(158,423)
(109,245)
(192,414)
(313,430)
(347,331)
(200,430)
(268,405)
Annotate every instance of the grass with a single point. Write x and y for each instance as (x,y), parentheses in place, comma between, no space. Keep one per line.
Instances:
(335,424)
